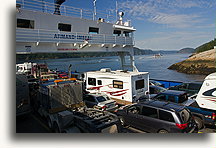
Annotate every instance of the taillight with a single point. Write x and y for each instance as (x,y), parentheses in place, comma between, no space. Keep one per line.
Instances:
(213,116)
(104,107)
(182,126)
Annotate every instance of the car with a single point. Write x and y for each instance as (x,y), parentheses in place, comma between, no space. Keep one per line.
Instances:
(191,87)
(100,101)
(201,116)
(157,117)
(172,96)
(63,76)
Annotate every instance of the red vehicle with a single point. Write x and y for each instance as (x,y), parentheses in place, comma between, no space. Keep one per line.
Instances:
(63,76)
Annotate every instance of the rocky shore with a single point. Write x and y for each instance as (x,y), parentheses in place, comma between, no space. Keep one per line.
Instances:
(201,63)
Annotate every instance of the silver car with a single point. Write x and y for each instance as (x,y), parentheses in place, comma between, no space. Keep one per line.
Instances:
(100,101)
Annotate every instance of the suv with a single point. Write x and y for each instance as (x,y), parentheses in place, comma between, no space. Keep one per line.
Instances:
(100,101)
(202,116)
(157,117)
(190,88)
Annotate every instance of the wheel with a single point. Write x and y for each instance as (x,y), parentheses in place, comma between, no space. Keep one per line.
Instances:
(199,122)
(122,121)
(163,131)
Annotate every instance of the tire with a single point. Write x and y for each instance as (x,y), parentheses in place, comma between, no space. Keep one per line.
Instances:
(199,122)
(122,121)
(163,131)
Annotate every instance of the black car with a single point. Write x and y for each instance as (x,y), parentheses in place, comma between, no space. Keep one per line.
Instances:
(191,88)
(158,117)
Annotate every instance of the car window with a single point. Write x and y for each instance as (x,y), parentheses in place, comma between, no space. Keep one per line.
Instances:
(183,98)
(149,112)
(193,86)
(160,89)
(89,98)
(171,98)
(101,99)
(184,115)
(161,97)
(166,116)
(152,90)
(134,109)
(183,86)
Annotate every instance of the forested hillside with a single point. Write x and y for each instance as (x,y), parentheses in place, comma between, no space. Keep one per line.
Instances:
(207,46)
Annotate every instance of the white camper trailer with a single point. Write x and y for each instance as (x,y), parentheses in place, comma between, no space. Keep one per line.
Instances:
(206,97)
(125,87)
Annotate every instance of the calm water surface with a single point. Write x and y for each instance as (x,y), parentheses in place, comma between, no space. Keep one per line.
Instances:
(157,67)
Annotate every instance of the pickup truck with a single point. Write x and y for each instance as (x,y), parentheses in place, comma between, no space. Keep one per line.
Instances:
(202,116)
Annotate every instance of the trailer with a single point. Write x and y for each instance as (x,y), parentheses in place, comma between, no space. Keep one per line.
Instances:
(206,97)
(60,102)
(125,87)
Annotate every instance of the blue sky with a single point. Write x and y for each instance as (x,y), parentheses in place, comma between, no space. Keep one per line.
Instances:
(163,24)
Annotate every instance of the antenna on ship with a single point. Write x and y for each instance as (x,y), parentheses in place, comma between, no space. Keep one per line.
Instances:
(95,11)
(116,10)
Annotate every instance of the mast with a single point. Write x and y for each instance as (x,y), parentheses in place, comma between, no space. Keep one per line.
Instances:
(95,11)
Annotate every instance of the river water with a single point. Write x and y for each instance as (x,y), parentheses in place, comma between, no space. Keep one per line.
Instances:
(157,67)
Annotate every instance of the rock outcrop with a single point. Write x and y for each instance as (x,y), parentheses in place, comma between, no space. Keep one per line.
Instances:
(201,63)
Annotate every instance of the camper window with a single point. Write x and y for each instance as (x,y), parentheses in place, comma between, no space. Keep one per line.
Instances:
(117,84)
(99,82)
(23,23)
(64,27)
(92,81)
(140,84)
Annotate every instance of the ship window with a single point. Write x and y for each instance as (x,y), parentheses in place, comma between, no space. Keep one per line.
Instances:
(117,84)
(92,81)
(93,30)
(64,27)
(140,84)
(127,34)
(117,32)
(23,23)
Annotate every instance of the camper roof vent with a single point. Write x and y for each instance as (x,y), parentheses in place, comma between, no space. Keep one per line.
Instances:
(105,70)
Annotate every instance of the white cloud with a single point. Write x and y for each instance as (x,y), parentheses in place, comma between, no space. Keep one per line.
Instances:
(165,11)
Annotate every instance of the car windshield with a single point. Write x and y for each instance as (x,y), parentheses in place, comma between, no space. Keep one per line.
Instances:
(161,89)
(155,83)
(184,115)
(101,98)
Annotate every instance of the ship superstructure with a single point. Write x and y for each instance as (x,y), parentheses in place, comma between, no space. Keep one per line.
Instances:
(44,27)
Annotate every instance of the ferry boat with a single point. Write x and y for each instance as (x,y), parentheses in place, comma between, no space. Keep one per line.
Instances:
(44,27)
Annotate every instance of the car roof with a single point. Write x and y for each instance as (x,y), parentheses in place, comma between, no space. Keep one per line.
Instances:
(173,92)
(96,94)
(163,105)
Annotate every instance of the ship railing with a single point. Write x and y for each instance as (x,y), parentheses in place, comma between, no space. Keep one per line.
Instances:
(41,35)
(47,7)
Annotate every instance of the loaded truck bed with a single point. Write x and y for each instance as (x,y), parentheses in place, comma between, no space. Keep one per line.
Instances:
(61,103)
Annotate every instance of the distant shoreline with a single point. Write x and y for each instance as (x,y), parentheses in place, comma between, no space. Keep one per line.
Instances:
(202,63)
